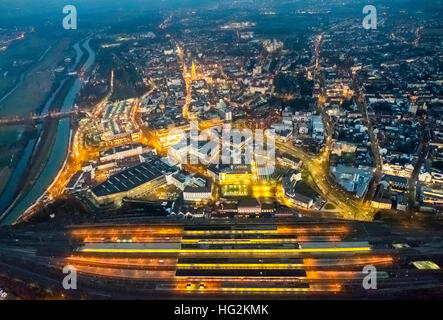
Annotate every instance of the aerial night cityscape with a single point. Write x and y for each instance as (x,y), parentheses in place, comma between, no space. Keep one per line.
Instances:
(221,150)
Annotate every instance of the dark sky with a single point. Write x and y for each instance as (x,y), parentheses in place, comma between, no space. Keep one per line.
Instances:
(29,12)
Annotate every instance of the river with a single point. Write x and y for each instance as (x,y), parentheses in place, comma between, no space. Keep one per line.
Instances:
(59,149)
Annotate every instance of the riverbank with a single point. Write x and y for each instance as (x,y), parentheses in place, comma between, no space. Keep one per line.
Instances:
(35,85)
(53,145)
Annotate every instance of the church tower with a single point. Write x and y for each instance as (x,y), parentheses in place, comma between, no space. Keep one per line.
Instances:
(193,72)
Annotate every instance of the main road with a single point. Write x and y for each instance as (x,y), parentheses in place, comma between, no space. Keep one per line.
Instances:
(318,167)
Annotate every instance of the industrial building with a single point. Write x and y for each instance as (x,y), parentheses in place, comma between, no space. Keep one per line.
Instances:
(132,182)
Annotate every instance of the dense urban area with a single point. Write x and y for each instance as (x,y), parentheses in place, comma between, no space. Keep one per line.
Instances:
(235,148)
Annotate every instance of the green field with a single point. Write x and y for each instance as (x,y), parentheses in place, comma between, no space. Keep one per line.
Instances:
(38,76)
(25,53)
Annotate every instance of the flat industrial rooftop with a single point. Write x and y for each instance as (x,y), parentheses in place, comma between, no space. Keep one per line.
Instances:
(132,178)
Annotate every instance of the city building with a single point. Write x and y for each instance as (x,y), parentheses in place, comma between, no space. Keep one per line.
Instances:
(132,182)
(289,161)
(237,174)
(318,128)
(121,152)
(249,206)
(432,196)
(295,191)
(382,198)
(199,191)
(354,180)
(399,184)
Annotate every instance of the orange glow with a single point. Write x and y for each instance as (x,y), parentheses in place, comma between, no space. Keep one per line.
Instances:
(156,263)
(226,251)
(118,232)
(126,273)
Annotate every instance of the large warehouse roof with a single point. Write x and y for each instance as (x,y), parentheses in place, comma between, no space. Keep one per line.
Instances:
(131,178)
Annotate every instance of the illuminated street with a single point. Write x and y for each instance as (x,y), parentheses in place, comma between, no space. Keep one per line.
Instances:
(221,150)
